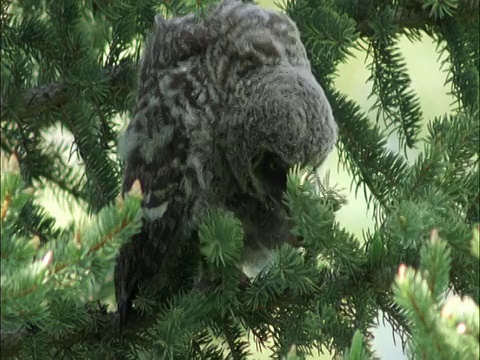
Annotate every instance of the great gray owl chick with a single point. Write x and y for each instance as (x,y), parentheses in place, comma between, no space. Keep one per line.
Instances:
(226,105)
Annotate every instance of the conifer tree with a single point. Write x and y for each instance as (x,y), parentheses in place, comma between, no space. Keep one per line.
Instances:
(72,65)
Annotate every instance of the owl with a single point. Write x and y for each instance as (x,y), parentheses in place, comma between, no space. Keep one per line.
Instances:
(226,105)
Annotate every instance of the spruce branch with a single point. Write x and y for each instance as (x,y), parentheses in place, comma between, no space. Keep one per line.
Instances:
(291,282)
(418,15)
(396,102)
(57,271)
(169,316)
(357,351)
(321,293)
(442,329)
(55,95)
(369,162)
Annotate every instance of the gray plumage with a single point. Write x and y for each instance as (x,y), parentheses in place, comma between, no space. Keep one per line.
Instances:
(226,105)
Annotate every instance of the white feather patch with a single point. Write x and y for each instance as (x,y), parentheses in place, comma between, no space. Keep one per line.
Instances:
(156,212)
(256,261)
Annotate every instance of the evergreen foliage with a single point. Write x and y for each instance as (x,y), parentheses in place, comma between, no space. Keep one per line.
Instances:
(71,65)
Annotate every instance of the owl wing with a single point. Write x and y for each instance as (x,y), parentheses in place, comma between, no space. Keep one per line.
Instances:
(154,148)
(163,210)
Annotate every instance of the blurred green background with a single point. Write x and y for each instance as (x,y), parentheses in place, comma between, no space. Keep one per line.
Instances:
(427,80)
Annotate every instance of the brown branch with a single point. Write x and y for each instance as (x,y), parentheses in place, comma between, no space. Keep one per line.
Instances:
(39,99)
(412,18)
(415,17)
(45,97)
(55,94)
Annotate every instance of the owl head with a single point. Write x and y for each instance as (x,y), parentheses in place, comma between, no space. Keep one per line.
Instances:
(275,114)
(285,120)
